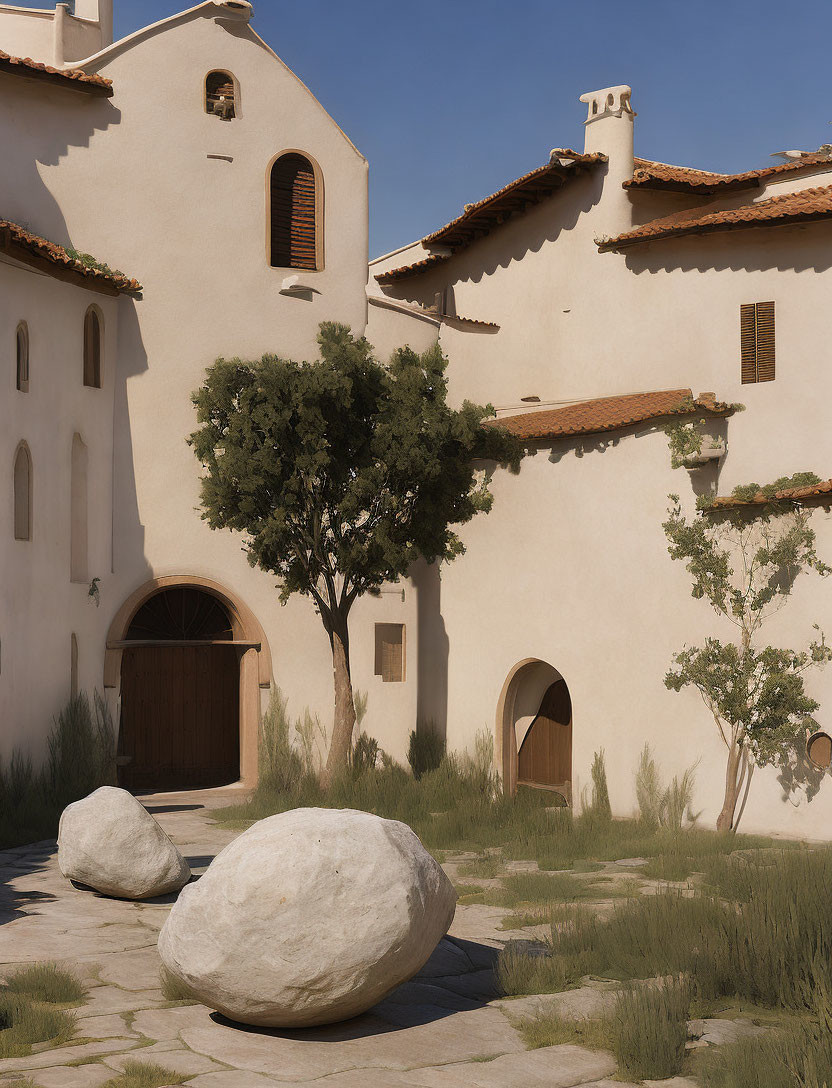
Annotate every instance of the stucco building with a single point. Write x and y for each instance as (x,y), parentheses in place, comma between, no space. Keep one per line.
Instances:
(590,301)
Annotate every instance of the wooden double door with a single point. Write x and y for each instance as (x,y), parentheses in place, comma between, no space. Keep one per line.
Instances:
(544,760)
(180,717)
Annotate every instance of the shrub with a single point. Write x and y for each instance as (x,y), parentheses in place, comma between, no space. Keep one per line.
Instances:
(82,750)
(46,982)
(649,1028)
(364,754)
(425,750)
(661,806)
(81,757)
(599,805)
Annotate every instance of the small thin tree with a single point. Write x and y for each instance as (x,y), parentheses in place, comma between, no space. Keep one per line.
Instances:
(341,473)
(744,562)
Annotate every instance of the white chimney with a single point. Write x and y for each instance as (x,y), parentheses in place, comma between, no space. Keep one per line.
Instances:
(97,11)
(609,129)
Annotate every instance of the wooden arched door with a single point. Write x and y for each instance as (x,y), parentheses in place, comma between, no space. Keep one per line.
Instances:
(545,757)
(180,695)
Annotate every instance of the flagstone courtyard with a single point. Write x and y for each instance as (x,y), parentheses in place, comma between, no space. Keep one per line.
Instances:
(447,1028)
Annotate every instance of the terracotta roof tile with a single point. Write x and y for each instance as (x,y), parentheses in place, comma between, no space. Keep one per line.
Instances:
(789,494)
(609,414)
(661,175)
(55,260)
(485,214)
(73,78)
(412,269)
(800,207)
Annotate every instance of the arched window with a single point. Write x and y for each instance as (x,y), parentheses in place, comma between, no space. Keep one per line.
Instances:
(78,512)
(92,348)
(295,215)
(22,493)
(221,95)
(22,353)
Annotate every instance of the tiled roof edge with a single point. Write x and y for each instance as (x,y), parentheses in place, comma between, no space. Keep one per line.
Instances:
(73,78)
(19,242)
(565,423)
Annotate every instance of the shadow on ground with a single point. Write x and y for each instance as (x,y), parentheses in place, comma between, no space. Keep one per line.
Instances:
(23,861)
(458,977)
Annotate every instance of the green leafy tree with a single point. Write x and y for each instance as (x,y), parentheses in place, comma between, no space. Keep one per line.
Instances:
(744,562)
(341,473)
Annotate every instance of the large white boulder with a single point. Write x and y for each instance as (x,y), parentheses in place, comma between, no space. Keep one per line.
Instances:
(110,842)
(309,917)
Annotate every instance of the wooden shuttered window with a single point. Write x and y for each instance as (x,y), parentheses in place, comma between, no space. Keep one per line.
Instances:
(390,652)
(294,212)
(757,342)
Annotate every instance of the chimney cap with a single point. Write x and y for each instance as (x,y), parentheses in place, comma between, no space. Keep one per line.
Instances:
(608,102)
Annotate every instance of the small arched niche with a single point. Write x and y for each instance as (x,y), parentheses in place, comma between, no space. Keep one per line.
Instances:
(22,356)
(221,95)
(93,338)
(534,729)
(79,515)
(22,493)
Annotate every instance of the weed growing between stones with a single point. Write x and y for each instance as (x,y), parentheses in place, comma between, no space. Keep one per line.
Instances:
(24,1023)
(547,1027)
(174,990)
(145,1075)
(798,1056)
(648,1029)
(765,935)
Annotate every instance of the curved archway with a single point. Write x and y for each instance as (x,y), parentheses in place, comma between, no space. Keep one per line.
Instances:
(534,729)
(146,618)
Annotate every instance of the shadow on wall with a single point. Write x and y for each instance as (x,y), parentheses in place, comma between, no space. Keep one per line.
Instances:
(432,651)
(796,250)
(512,241)
(55,122)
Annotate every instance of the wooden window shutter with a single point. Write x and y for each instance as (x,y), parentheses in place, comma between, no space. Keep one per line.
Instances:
(757,342)
(293,214)
(748,340)
(765,341)
(390,652)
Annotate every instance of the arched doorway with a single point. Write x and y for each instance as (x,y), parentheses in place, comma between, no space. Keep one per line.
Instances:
(534,729)
(180,695)
(190,660)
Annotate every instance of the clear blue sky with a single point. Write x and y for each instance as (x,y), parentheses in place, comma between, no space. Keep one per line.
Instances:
(450,99)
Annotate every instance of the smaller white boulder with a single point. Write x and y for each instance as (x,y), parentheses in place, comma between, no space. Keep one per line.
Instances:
(110,842)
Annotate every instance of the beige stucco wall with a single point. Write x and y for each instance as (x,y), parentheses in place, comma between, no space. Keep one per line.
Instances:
(131,181)
(27,32)
(40,608)
(571,568)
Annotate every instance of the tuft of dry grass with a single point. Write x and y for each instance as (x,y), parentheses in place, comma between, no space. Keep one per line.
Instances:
(174,989)
(47,982)
(145,1075)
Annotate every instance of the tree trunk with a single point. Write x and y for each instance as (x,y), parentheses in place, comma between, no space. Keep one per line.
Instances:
(339,745)
(733,785)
